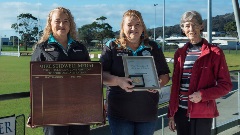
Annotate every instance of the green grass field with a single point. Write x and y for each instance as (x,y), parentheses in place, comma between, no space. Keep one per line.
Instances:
(14,78)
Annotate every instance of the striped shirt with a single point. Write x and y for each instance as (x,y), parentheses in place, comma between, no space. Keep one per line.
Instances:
(193,52)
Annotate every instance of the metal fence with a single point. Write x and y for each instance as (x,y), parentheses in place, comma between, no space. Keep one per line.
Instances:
(228,107)
(20,125)
(12,125)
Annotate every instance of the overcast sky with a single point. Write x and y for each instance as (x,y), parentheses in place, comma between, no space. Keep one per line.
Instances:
(86,11)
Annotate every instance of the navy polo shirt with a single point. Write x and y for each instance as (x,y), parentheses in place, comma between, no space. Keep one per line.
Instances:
(51,50)
(137,106)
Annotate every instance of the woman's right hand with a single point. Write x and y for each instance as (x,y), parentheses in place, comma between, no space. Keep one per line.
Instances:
(29,124)
(171,124)
(124,83)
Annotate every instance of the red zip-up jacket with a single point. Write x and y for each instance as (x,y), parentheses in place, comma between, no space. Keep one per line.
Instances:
(210,76)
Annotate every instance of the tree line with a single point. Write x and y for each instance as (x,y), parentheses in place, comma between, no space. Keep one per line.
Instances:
(96,33)
(220,23)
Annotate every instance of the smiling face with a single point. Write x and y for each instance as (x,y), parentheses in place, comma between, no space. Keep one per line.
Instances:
(192,25)
(193,30)
(132,28)
(60,24)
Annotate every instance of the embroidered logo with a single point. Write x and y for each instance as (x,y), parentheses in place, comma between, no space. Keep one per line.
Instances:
(146,53)
(77,50)
(49,49)
(122,54)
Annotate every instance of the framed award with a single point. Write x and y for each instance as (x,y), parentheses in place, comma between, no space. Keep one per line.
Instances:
(142,71)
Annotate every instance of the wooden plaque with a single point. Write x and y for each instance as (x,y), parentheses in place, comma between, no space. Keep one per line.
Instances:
(66,93)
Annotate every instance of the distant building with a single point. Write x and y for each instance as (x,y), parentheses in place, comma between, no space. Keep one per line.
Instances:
(214,34)
(180,41)
(159,39)
(4,41)
(226,44)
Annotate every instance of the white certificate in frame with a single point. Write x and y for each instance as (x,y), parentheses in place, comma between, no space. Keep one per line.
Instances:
(142,66)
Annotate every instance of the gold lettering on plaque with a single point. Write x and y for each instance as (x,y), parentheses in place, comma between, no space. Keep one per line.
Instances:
(73,68)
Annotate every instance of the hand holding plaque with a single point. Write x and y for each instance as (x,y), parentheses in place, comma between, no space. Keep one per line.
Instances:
(142,71)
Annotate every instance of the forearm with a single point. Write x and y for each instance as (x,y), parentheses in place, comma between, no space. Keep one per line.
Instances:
(164,79)
(110,80)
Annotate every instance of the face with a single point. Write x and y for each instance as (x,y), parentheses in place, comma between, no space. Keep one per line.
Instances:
(132,28)
(192,30)
(60,24)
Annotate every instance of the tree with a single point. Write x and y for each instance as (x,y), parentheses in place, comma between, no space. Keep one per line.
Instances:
(86,34)
(96,31)
(218,23)
(102,18)
(27,28)
(14,40)
(103,30)
(231,28)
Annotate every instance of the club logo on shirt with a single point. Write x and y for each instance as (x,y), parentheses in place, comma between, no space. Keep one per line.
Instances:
(49,49)
(122,54)
(146,53)
(77,50)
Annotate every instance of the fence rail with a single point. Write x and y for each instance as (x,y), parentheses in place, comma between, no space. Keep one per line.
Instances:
(14,96)
(221,123)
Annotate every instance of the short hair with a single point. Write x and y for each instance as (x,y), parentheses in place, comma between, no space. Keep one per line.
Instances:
(122,37)
(48,30)
(190,15)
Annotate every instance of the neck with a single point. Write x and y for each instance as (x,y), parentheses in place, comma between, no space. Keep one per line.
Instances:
(195,41)
(62,40)
(133,45)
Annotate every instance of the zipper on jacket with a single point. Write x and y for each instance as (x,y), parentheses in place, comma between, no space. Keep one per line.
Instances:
(61,47)
(189,117)
(65,50)
(189,113)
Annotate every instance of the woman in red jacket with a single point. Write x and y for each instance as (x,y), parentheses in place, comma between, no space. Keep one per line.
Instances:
(200,76)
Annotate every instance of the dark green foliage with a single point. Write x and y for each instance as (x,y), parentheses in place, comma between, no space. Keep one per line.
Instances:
(219,23)
(92,34)
(231,28)
(27,27)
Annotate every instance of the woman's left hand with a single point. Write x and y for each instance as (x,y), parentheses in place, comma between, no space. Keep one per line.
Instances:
(195,97)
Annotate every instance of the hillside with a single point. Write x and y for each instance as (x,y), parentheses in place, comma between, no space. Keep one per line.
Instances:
(218,23)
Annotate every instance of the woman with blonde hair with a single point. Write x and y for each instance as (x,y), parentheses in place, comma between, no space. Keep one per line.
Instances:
(131,112)
(59,43)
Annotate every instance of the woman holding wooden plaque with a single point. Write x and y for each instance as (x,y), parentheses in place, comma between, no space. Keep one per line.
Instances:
(59,43)
(132,112)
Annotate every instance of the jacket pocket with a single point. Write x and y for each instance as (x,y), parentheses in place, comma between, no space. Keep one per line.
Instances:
(204,109)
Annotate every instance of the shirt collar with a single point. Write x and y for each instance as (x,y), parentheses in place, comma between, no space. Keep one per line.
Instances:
(51,39)
(140,48)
